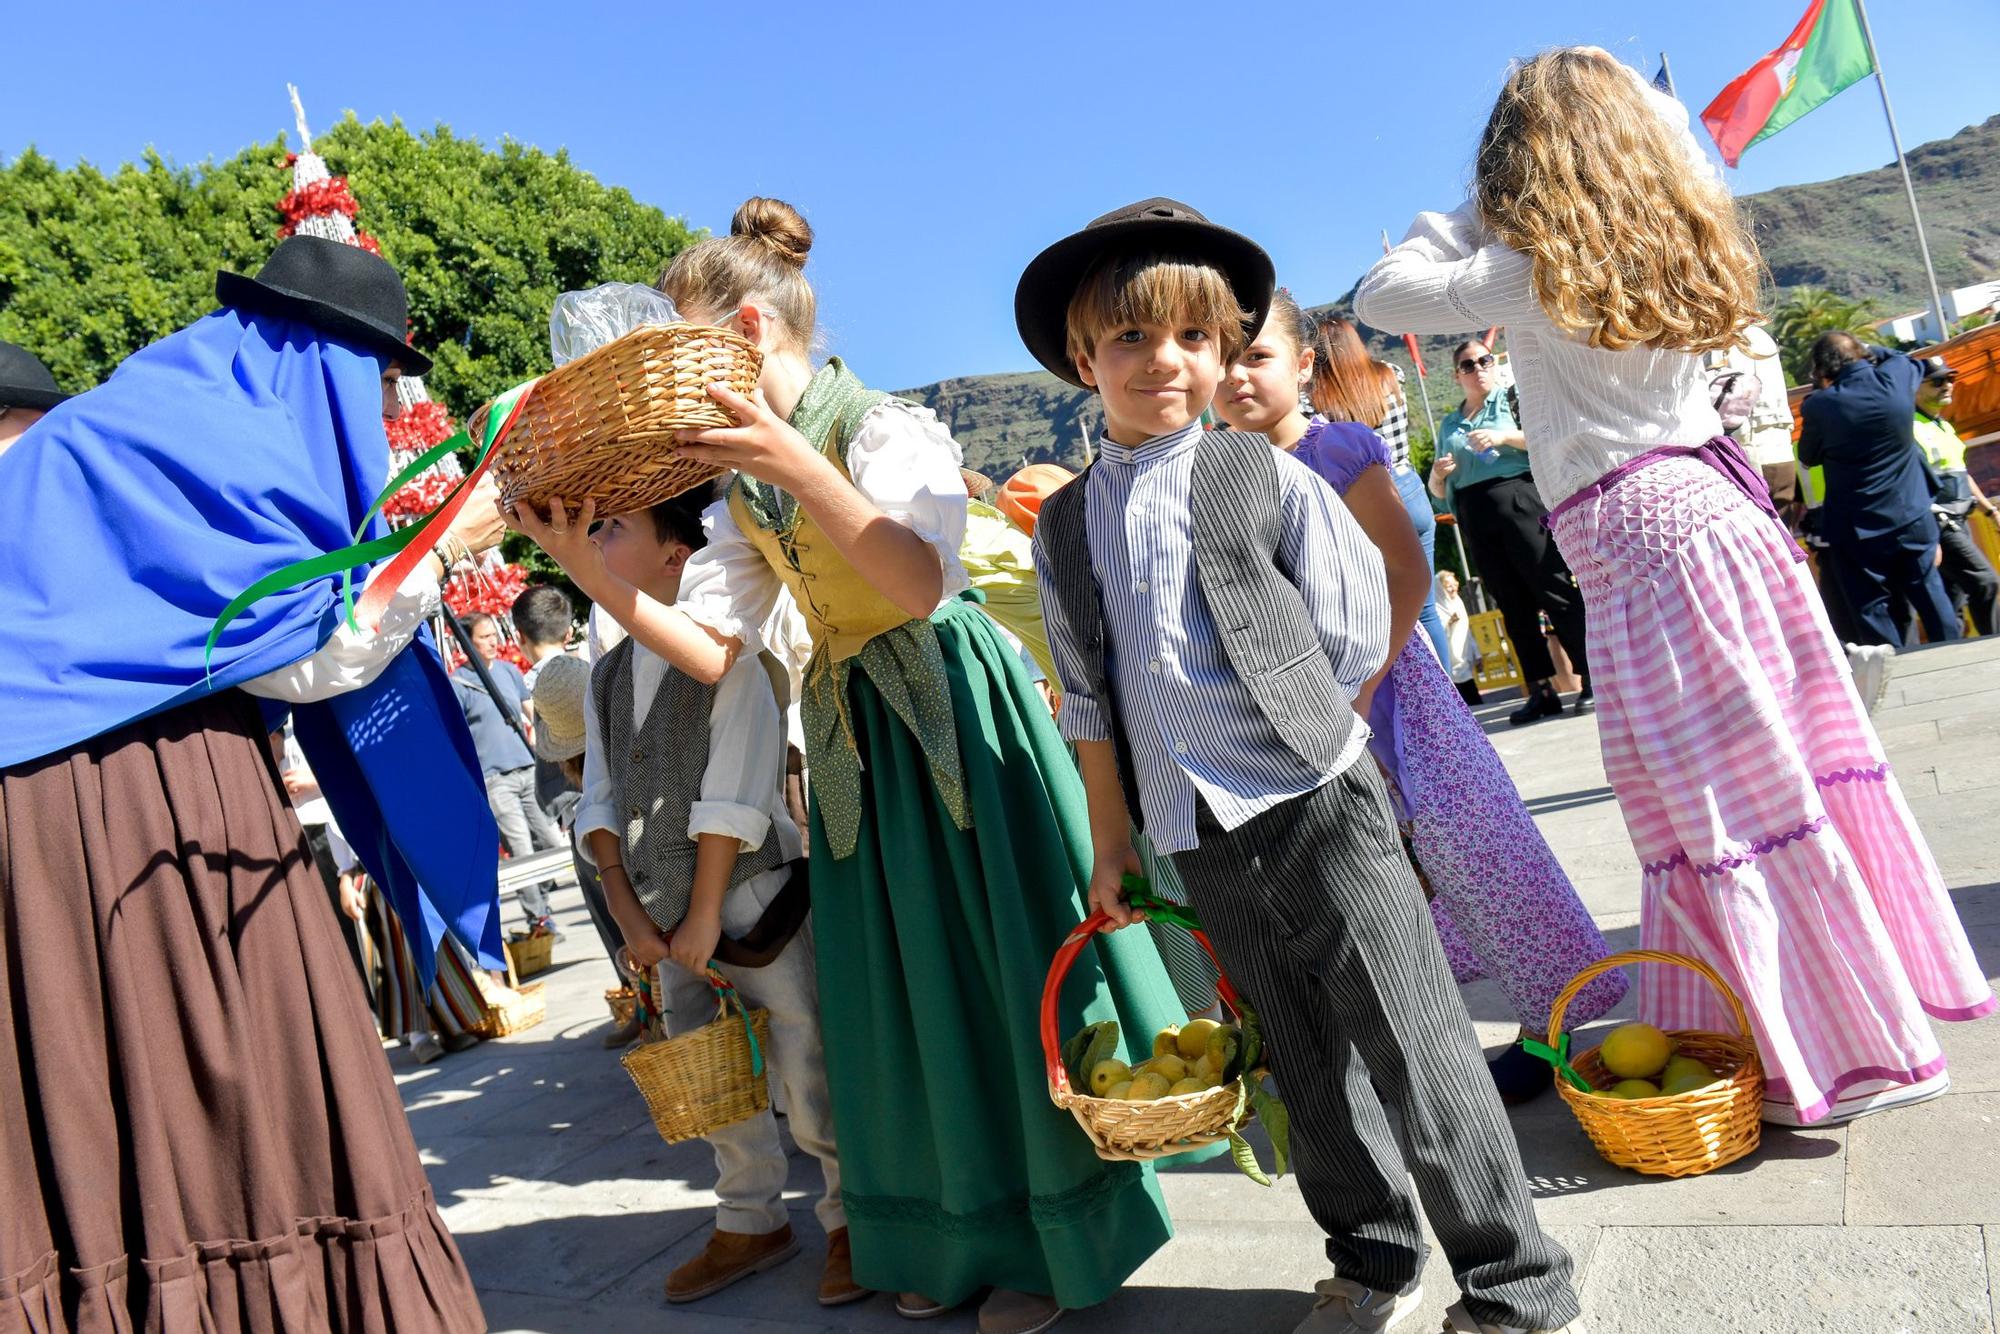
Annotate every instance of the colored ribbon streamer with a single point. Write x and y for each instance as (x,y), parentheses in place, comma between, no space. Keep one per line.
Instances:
(724,993)
(1138,893)
(406,546)
(1557,1056)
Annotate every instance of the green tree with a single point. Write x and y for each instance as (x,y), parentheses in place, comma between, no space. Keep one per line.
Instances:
(1808,312)
(94,266)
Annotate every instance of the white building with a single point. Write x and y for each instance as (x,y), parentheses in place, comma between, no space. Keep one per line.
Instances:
(1919,327)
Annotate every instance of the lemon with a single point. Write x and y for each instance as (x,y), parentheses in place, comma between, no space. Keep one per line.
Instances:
(1170,1068)
(1187,1086)
(1106,1073)
(1146,1087)
(1121,1090)
(1194,1037)
(1167,1040)
(1636,1051)
(1633,1088)
(1202,1069)
(1684,1074)
(1221,1048)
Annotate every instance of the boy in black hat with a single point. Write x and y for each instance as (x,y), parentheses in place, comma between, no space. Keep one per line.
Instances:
(27,390)
(1213,610)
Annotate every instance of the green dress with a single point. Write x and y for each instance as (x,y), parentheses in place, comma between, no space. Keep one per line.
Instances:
(950,838)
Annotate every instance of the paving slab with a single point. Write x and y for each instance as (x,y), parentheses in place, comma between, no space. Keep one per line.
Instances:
(1789,1280)
(1938,1162)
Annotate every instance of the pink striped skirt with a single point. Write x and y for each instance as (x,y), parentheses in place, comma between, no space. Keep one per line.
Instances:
(1775,840)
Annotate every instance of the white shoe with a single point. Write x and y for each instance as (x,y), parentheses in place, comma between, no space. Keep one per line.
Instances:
(1346,1307)
(424,1047)
(1458,1320)
(1864,1099)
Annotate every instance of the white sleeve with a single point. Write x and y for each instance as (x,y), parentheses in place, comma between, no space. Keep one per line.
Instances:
(1448,276)
(355,656)
(904,461)
(728,586)
(598,808)
(746,758)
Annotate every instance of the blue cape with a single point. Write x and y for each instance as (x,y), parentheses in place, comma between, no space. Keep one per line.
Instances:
(132,514)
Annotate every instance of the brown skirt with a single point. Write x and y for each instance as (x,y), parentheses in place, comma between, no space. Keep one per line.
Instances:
(198,1129)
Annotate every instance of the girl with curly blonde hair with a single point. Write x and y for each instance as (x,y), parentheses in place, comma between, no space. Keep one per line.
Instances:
(1774,839)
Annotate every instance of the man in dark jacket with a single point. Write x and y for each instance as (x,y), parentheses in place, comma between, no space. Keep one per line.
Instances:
(1877,515)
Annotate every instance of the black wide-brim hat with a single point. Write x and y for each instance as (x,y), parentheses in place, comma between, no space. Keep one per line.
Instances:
(1162,226)
(335,287)
(25,382)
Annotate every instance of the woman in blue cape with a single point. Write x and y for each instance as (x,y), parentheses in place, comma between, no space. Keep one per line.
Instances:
(197,1126)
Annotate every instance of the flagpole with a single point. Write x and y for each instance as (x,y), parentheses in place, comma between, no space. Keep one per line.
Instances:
(1668,70)
(1896,141)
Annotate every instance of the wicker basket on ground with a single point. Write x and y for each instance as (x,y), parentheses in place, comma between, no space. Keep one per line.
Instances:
(1121,1130)
(510,1008)
(1679,1134)
(603,426)
(709,1077)
(531,952)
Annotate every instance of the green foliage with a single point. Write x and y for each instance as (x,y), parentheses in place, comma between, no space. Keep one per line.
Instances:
(95,266)
(1978,319)
(1808,312)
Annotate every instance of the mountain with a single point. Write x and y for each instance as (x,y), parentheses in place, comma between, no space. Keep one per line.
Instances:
(1852,234)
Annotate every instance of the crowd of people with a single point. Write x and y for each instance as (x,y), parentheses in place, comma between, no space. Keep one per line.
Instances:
(865,737)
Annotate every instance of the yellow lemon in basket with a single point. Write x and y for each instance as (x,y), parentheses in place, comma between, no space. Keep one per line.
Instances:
(1188,1086)
(1684,1074)
(1106,1073)
(1167,1040)
(1147,1087)
(1170,1068)
(1202,1069)
(1194,1037)
(1636,1051)
(1121,1090)
(1633,1088)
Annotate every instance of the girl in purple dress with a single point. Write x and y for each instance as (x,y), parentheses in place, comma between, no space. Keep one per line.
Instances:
(1504,907)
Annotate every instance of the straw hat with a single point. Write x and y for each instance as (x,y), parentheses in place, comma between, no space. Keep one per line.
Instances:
(559,707)
(1020,497)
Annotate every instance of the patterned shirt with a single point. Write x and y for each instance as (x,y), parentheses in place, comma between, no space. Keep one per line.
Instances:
(1196,734)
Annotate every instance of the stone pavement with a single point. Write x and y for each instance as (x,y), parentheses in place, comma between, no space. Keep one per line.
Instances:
(570,1210)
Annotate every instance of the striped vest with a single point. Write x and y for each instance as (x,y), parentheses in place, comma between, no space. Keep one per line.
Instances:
(1267,636)
(656,772)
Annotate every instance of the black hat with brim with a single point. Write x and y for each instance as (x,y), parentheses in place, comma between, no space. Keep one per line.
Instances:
(25,382)
(1163,226)
(337,288)
(1937,368)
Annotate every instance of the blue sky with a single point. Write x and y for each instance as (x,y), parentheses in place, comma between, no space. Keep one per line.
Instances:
(937,147)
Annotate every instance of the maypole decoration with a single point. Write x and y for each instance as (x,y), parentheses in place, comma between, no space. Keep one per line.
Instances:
(320,204)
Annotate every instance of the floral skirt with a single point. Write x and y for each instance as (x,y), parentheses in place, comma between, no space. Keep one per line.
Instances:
(1775,841)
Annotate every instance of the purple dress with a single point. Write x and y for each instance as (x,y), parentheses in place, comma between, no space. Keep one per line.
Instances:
(1504,908)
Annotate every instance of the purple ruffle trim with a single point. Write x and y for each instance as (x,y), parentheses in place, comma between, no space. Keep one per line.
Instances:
(1769,843)
(1876,773)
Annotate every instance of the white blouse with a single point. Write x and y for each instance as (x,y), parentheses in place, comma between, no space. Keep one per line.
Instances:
(355,656)
(1584,410)
(902,459)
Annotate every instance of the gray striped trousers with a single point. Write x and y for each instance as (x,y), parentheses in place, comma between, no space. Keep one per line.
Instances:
(1317,919)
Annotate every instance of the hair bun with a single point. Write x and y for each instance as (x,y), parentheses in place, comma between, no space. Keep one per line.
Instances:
(778,225)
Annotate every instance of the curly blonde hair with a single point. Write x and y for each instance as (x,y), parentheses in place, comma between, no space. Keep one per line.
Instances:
(1629,244)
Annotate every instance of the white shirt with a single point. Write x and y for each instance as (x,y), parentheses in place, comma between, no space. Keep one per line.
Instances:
(1458,636)
(742,789)
(1583,409)
(356,655)
(1769,438)
(902,459)
(788,646)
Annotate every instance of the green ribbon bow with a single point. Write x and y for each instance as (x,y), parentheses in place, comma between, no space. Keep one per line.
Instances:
(1557,1056)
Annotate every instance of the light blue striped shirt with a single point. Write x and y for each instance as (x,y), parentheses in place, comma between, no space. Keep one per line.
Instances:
(1193,727)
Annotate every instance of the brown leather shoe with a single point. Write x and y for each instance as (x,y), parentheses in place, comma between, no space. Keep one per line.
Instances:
(625,1034)
(728,1257)
(1008,1312)
(836,1282)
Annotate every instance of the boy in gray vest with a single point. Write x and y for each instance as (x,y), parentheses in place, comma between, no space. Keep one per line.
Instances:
(1213,609)
(684,815)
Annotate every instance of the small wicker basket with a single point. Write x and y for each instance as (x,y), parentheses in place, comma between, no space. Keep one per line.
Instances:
(602,427)
(623,1003)
(507,1009)
(1139,1131)
(531,953)
(1680,1134)
(710,1077)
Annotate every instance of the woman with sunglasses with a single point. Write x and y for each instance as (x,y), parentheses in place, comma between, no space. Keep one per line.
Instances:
(1481,473)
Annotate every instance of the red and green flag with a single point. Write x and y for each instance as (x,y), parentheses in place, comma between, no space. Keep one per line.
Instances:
(1825,53)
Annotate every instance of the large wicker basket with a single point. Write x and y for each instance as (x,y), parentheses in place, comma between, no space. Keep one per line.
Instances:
(708,1078)
(1138,1131)
(602,427)
(1675,1135)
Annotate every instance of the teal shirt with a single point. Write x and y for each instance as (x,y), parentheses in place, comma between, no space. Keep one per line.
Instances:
(1473,467)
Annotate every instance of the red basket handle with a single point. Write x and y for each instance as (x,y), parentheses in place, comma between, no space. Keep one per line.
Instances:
(1059,968)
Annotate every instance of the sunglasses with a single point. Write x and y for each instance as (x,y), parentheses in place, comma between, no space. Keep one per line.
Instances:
(1471,364)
